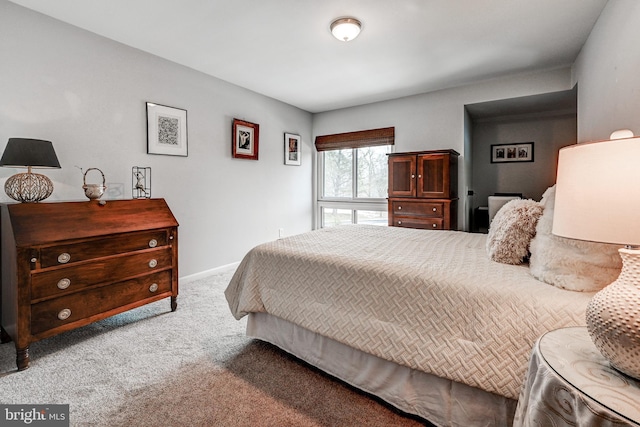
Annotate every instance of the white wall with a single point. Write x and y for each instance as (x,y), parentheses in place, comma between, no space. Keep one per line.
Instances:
(87,95)
(607,71)
(437,120)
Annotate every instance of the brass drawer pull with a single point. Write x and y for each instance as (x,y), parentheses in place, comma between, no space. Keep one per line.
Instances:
(64,258)
(153,287)
(153,243)
(153,263)
(64,283)
(64,314)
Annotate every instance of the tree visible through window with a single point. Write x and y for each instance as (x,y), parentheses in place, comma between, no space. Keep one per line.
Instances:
(353,186)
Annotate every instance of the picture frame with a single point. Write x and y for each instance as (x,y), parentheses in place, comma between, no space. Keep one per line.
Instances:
(292,149)
(509,153)
(246,137)
(166,130)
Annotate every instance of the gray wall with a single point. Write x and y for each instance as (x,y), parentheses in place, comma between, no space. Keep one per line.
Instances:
(549,134)
(437,120)
(87,95)
(607,71)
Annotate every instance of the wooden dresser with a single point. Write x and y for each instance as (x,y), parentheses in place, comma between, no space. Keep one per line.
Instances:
(423,189)
(65,265)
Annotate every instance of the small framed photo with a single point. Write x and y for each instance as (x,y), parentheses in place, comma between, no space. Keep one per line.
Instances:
(166,130)
(245,140)
(507,153)
(291,149)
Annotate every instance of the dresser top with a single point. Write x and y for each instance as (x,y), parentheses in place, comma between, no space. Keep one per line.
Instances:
(58,221)
(442,151)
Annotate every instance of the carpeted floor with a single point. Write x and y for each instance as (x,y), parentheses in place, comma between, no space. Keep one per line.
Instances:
(193,367)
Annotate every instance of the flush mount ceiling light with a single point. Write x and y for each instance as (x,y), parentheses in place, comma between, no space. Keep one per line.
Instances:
(345,29)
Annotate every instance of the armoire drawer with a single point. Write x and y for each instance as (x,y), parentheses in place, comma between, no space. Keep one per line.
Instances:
(96,248)
(74,277)
(423,223)
(417,208)
(56,312)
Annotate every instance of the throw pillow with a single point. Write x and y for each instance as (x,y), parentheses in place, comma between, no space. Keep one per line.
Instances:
(568,263)
(511,231)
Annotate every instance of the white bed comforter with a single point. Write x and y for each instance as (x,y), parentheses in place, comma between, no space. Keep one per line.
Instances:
(430,300)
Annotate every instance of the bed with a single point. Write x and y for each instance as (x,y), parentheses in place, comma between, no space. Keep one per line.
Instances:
(422,319)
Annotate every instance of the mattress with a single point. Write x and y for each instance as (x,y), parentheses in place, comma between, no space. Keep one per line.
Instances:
(428,300)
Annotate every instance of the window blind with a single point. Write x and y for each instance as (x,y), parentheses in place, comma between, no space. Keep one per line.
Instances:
(363,138)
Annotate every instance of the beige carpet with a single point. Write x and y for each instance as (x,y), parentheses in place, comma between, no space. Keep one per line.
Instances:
(193,367)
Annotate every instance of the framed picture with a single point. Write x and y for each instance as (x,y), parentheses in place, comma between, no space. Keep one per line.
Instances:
(245,140)
(506,153)
(166,130)
(291,149)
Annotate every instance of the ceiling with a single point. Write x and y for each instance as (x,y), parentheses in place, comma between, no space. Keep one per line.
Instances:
(284,49)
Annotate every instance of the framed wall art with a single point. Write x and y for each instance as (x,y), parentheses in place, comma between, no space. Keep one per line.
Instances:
(245,140)
(291,149)
(506,153)
(166,130)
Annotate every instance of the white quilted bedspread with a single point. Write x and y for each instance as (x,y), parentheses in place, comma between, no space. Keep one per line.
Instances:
(430,300)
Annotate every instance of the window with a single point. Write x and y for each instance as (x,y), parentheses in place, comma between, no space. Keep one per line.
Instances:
(353,179)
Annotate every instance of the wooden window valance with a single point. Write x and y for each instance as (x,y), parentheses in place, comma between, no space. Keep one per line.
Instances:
(363,138)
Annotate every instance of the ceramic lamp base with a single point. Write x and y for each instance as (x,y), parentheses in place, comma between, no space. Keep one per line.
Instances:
(613,317)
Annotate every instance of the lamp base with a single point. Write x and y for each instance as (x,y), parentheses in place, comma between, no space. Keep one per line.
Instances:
(613,317)
(28,187)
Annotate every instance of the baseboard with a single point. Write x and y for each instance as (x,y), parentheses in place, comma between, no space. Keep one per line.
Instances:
(203,274)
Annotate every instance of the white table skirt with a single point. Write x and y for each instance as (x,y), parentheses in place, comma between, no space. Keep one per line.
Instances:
(569,383)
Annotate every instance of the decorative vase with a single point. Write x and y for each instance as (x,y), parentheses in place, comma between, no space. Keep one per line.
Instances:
(613,317)
(93,191)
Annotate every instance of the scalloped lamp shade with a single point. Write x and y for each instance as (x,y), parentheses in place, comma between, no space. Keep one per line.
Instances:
(598,199)
(29,187)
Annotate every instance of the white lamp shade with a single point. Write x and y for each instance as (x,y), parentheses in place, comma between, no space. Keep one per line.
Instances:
(598,192)
(345,29)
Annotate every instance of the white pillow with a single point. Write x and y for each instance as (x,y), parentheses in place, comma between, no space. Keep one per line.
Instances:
(511,231)
(570,264)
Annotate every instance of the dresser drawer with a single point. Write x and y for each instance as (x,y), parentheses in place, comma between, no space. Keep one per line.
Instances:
(416,208)
(57,312)
(96,248)
(424,223)
(61,280)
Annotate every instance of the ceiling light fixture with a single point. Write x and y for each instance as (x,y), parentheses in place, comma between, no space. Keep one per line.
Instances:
(345,29)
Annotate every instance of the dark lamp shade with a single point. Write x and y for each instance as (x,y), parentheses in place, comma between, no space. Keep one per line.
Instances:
(24,152)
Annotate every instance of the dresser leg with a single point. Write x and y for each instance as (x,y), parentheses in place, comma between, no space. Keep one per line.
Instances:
(4,336)
(22,358)
(174,303)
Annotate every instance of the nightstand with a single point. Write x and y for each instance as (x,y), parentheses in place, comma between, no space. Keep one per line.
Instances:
(569,383)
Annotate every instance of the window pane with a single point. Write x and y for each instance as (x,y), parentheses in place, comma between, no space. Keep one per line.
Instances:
(371,217)
(338,167)
(332,217)
(373,172)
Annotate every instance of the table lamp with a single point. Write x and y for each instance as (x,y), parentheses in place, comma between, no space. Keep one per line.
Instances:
(598,199)
(30,153)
